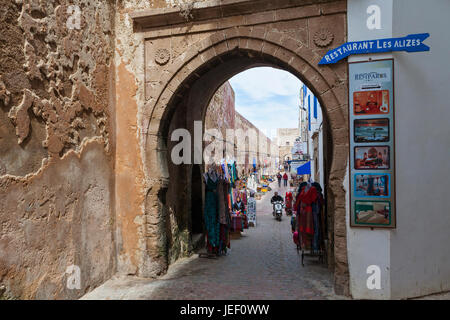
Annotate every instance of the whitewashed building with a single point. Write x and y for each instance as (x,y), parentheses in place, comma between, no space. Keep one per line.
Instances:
(311,127)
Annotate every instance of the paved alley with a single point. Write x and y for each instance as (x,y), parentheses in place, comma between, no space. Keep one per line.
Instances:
(262,264)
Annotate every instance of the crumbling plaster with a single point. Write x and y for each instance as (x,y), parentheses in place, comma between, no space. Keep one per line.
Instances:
(57,147)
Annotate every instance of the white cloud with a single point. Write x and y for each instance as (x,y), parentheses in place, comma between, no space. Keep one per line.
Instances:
(266,82)
(268,98)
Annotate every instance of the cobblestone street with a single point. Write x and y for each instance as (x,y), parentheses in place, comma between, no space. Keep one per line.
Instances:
(262,264)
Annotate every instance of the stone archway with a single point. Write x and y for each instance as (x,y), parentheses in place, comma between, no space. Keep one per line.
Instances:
(211,57)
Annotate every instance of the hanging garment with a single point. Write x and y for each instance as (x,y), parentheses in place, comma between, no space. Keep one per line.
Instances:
(211,249)
(224,238)
(225,218)
(210,213)
(230,172)
(321,218)
(230,193)
(297,200)
(306,223)
(235,173)
(243,195)
(316,225)
(235,194)
(224,170)
(228,210)
(288,200)
(222,205)
(230,198)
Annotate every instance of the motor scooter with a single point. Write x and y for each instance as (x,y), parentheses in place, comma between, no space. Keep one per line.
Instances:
(278,209)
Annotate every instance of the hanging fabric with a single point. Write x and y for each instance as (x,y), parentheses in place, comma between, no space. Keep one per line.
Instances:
(310,222)
(210,213)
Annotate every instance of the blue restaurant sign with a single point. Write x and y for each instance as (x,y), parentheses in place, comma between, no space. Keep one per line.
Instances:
(410,43)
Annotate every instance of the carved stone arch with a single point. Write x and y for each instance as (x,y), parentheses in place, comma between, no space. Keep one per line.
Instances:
(303,61)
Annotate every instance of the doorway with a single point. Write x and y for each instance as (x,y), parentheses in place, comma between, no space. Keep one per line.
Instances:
(191,79)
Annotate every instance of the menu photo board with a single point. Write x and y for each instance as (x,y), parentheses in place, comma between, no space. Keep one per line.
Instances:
(371,132)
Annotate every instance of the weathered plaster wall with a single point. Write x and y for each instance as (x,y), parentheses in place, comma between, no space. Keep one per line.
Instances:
(131,183)
(359,239)
(57,147)
(58,217)
(419,252)
(220,113)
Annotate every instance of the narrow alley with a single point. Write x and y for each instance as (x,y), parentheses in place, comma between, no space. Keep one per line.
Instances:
(262,264)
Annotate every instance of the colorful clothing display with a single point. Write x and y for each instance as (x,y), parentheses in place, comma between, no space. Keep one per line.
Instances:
(310,216)
(217,210)
(222,213)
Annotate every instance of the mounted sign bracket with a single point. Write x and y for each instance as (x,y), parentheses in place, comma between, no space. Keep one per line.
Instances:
(410,43)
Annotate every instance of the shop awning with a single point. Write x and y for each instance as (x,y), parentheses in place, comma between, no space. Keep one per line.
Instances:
(304,169)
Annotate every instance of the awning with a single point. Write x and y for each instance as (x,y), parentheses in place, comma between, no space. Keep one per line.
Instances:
(304,169)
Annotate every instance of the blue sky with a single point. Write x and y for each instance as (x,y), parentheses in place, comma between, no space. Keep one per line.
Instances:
(267,97)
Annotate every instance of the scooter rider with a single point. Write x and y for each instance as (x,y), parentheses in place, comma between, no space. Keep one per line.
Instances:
(276,197)
(277,202)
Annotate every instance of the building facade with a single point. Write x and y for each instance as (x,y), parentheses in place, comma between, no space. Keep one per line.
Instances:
(247,145)
(312,126)
(286,138)
(411,258)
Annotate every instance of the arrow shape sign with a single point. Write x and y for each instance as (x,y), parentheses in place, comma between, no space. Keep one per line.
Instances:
(410,43)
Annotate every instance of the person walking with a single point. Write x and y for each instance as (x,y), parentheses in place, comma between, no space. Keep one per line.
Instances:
(279,179)
(285,178)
